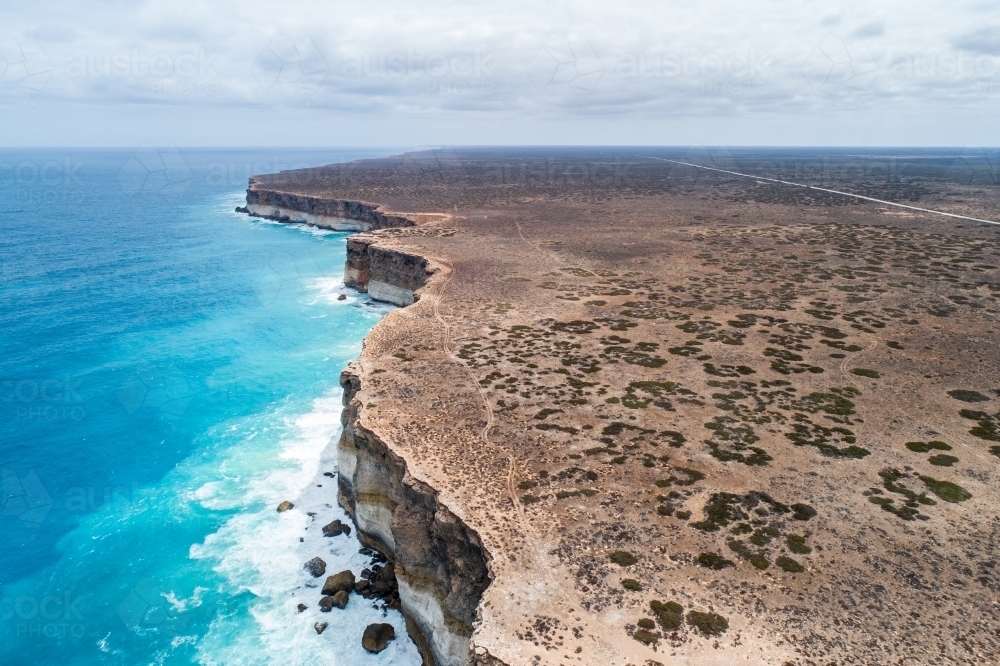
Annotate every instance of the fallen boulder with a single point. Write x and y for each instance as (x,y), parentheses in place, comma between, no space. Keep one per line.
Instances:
(336,528)
(341,598)
(342,581)
(285,506)
(316,567)
(320,627)
(377,637)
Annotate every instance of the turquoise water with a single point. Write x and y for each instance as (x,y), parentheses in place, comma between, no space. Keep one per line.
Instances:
(169,374)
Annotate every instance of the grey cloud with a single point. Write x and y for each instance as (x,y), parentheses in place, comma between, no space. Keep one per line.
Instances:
(872,29)
(494,64)
(984,40)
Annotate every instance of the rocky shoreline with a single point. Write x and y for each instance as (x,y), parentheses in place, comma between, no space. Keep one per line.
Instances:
(435,567)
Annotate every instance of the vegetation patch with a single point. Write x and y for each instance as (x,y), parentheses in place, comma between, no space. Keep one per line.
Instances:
(840,344)
(946,490)
(728,370)
(891,482)
(803,511)
(865,372)
(670,614)
(641,354)
(836,402)
(689,477)
(786,563)
(707,623)
(926,447)
(732,441)
(645,636)
(968,396)
(622,558)
(724,508)
(688,349)
(674,438)
(650,310)
(797,544)
(986,428)
(825,439)
(616,324)
(576,327)
(762,536)
(632,585)
(942,460)
(714,561)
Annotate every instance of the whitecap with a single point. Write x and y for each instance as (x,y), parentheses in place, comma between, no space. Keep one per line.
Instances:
(262,552)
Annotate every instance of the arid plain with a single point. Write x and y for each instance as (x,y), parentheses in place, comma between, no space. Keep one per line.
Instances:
(697,418)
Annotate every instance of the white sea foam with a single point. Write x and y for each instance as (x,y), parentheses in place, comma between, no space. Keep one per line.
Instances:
(262,552)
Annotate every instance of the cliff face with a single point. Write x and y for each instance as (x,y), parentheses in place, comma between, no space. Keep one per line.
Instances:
(337,214)
(441,565)
(386,275)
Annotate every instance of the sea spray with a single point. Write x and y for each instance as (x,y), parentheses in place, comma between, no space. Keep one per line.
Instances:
(262,552)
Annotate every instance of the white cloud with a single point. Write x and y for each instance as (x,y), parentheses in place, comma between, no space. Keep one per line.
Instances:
(459,68)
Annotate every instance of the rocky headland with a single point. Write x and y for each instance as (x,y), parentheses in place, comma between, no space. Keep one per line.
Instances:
(639,414)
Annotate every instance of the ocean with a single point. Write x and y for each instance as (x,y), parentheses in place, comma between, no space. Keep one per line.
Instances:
(168,375)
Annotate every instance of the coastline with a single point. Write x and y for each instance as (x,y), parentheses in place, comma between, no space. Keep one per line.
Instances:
(548,389)
(394,512)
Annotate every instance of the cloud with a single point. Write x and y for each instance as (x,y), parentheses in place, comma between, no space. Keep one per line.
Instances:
(478,66)
(871,29)
(983,40)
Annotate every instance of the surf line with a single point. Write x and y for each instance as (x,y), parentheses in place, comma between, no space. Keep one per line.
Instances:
(823,189)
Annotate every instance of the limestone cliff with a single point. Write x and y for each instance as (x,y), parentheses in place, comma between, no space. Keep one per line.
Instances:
(441,565)
(336,214)
(387,275)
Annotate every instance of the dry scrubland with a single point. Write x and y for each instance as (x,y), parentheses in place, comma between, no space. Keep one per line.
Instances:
(695,418)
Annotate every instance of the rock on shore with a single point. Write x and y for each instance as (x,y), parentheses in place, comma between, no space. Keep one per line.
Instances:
(377,637)
(316,567)
(343,581)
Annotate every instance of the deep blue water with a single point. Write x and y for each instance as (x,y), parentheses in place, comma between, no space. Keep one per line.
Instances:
(168,374)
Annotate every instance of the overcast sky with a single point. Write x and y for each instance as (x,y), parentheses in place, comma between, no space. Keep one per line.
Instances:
(408,73)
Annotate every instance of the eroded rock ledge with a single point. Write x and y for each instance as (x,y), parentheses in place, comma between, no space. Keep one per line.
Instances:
(386,275)
(441,564)
(336,214)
